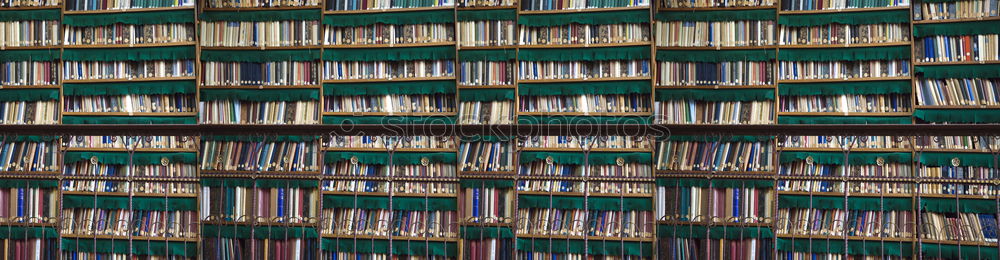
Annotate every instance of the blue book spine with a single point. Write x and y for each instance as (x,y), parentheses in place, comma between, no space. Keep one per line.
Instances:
(475,202)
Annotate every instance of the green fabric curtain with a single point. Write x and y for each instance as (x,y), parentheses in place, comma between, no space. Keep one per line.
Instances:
(479,233)
(852,18)
(486,183)
(259,56)
(715,232)
(683,182)
(714,55)
(965,205)
(398,203)
(119,120)
(260,95)
(121,246)
(953,251)
(122,158)
(29,95)
(731,138)
(234,231)
(399,158)
(734,183)
(31,15)
(392,120)
(590,18)
(487,55)
(585,88)
(682,231)
(879,204)
(855,158)
(420,204)
(617,248)
(29,138)
(28,183)
(836,246)
(803,202)
(715,95)
(390,88)
(612,203)
(360,202)
(364,246)
(273,138)
(159,203)
(287,183)
(487,138)
(399,247)
(585,54)
(584,120)
(136,18)
(719,16)
(969,116)
(487,15)
(956,29)
(577,158)
(29,55)
(390,54)
(965,159)
(551,246)
(423,248)
(138,203)
(395,18)
(592,247)
(846,88)
(125,88)
(260,16)
(131,54)
(19,232)
(846,54)
(863,120)
(543,201)
(485,95)
(215,182)
(959,71)
(282,232)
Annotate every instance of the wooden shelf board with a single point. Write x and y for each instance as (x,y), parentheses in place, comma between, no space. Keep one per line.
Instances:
(961,20)
(842,80)
(945,63)
(596,149)
(594,45)
(141,45)
(460,86)
(504,47)
(959,107)
(470,8)
(530,12)
(379,149)
(44,47)
(109,149)
(718,87)
(596,238)
(264,87)
(828,149)
(264,48)
(390,114)
(583,113)
(32,87)
(262,8)
(826,237)
(853,45)
(719,48)
(388,80)
(942,150)
(126,80)
(678,9)
(126,114)
(581,80)
(130,10)
(395,45)
(414,9)
(171,239)
(31,7)
(845,10)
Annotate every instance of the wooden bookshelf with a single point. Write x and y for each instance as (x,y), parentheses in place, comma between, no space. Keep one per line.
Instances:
(126,80)
(852,45)
(130,10)
(592,45)
(869,9)
(398,45)
(408,9)
(140,45)
(580,80)
(843,79)
(958,20)
(388,79)
(236,9)
(720,8)
(530,12)
(262,48)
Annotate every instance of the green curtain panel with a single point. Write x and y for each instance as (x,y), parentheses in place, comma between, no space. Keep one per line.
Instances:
(159,203)
(487,15)
(119,120)
(19,232)
(612,203)
(577,158)
(390,120)
(136,18)
(349,201)
(681,231)
(715,95)
(391,54)
(424,248)
(617,248)
(485,95)
(965,159)
(956,29)
(846,54)
(965,205)
(479,233)
(720,16)
(30,138)
(162,248)
(862,120)
(836,246)
(584,120)
(260,16)
(395,18)
(852,18)
(589,18)
(29,55)
(487,55)
(138,203)
(138,247)
(420,204)
(272,138)
(683,182)
(714,56)
(30,15)
(287,183)
(804,202)
(959,71)
(486,183)
(715,232)
(399,158)
(390,88)
(122,158)
(283,232)
(968,116)
(364,246)
(260,95)
(854,158)
(551,246)
(28,183)
(487,138)
(130,54)
(10,95)
(955,251)
(585,88)
(542,201)
(879,204)
(735,183)
(227,231)
(731,138)
(845,88)
(260,56)
(584,54)
(125,88)
(217,182)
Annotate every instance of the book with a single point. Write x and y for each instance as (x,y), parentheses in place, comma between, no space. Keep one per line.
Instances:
(584,34)
(535,5)
(275,73)
(29,33)
(260,3)
(129,34)
(235,111)
(261,34)
(800,5)
(29,73)
(357,5)
(844,34)
(485,33)
(389,34)
(127,70)
(715,34)
(690,111)
(88,5)
(725,73)
(28,155)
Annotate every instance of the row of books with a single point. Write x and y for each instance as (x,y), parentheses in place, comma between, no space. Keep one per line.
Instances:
(130,186)
(384,222)
(959,227)
(28,205)
(533,5)
(125,222)
(851,186)
(718,204)
(836,222)
(707,112)
(264,112)
(230,203)
(968,9)
(486,156)
(29,73)
(714,156)
(410,142)
(29,112)
(958,92)
(437,170)
(715,3)
(800,5)
(286,205)
(584,34)
(604,142)
(548,70)
(974,143)
(801,70)
(29,3)
(958,172)
(699,248)
(350,70)
(275,73)
(260,34)
(418,103)
(888,142)
(239,248)
(346,168)
(84,70)
(628,103)
(489,113)
(165,103)
(30,248)
(884,103)
(28,156)
(958,189)
(550,186)
(485,3)
(357,5)
(888,170)
(486,33)
(86,168)
(87,5)
(845,34)
(355,185)
(714,34)
(729,73)
(942,48)
(619,188)
(424,188)
(489,248)
(577,222)
(541,168)
(129,34)
(29,33)
(259,3)
(485,73)
(122,142)
(390,34)
(486,205)
(291,156)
